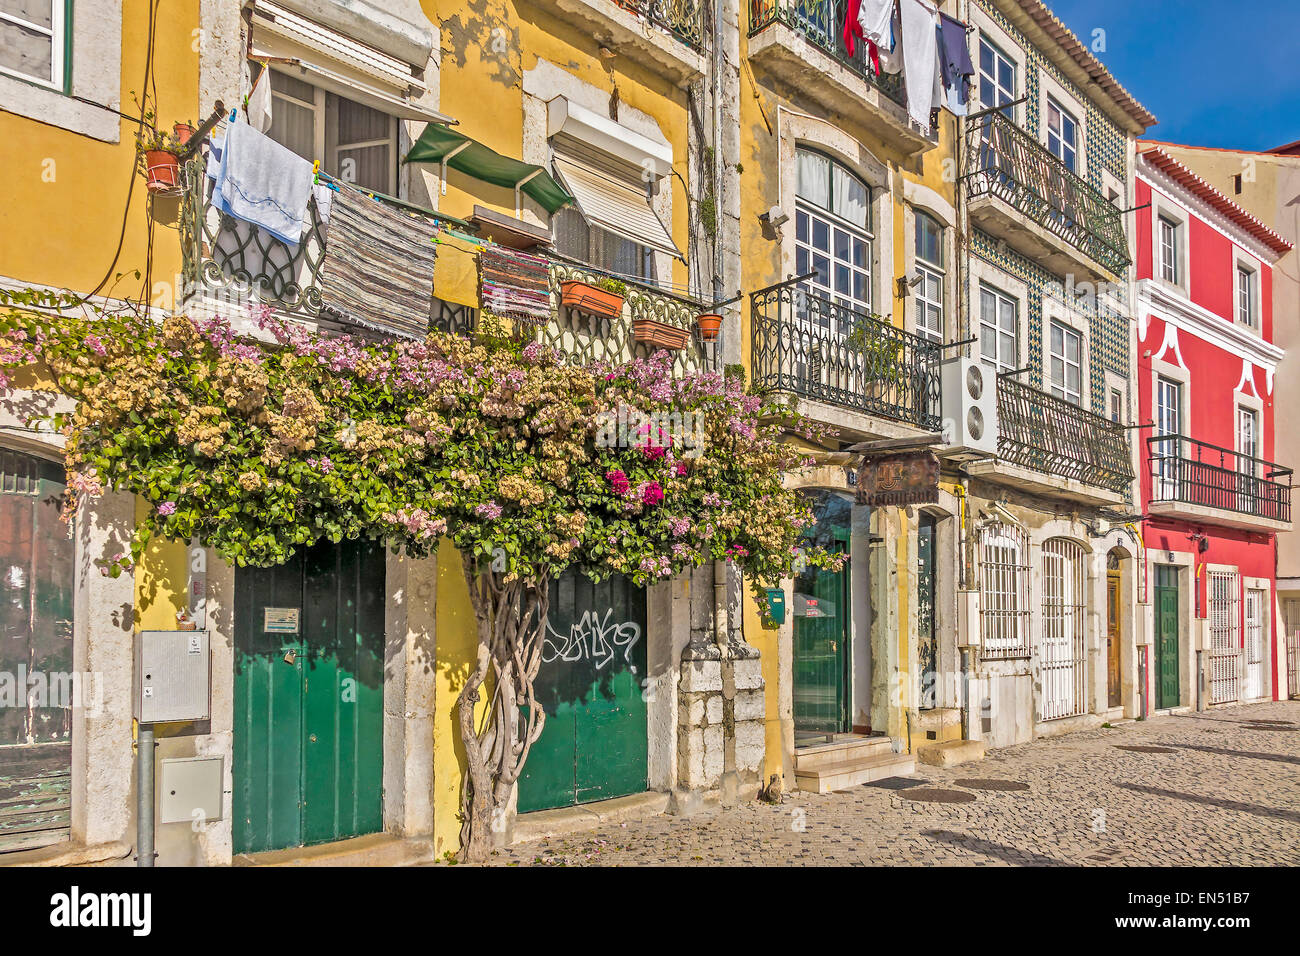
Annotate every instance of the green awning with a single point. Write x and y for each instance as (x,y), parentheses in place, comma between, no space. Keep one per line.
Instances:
(439,144)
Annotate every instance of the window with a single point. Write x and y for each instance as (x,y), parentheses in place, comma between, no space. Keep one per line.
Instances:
(1004,592)
(997,75)
(1225,636)
(1247,439)
(1246,296)
(1165,454)
(999,345)
(34,41)
(1065,372)
(577,239)
(929,266)
(833,232)
(355,143)
(1116,405)
(1062,134)
(1169,251)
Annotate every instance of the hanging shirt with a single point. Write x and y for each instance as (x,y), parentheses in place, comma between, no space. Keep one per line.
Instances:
(891,51)
(874,17)
(955,64)
(852,27)
(920,58)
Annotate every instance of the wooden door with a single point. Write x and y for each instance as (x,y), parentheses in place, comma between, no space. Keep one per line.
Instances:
(1113,639)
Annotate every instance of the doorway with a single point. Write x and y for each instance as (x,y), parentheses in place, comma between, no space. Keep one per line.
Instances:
(927,647)
(309,698)
(822,602)
(1166,600)
(1254,642)
(1112,639)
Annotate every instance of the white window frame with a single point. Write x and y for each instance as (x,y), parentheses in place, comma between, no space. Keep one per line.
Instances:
(1247,445)
(1168,241)
(1223,608)
(998,46)
(818,213)
(1163,208)
(1061,389)
(1062,658)
(1052,91)
(1058,135)
(58,34)
(930,272)
(1004,592)
(999,299)
(1247,281)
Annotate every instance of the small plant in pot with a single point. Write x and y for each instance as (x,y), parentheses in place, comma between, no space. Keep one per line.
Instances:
(158,155)
(603,297)
(709,324)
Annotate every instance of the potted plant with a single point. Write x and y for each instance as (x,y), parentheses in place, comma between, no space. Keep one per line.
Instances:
(158,153)
(660,334)
(709,325)
(183,132)
(603,297)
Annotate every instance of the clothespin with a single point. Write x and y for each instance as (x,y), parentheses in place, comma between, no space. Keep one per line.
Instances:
(234,114)
(315,170)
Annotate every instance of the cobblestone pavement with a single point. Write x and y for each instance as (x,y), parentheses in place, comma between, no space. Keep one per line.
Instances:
(1228,793)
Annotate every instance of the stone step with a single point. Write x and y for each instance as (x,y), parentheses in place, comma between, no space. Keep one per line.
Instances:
(852,773)
(950,752)
(838,751)
(943,722)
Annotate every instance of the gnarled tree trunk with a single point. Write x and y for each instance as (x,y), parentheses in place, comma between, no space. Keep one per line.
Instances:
(511,621)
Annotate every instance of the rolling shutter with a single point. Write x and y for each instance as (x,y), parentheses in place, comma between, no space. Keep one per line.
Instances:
(613,200)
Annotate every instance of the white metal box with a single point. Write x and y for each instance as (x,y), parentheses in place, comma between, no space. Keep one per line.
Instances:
(189,789)
(968,618)
(172,676)
(970,408)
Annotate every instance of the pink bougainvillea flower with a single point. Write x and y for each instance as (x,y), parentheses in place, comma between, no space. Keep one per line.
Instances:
(652,494)
(618,481)
(167,508)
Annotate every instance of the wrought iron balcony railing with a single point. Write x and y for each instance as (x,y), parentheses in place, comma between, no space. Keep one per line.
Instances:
(1198,473)
(230,260)
(812,346)
(1041,431)
(1003,160)
(684,19)
(821,22)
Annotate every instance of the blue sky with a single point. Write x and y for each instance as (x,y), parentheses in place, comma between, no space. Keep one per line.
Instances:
(1214,72)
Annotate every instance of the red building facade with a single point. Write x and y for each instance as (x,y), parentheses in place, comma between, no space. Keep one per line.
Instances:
(1213,497)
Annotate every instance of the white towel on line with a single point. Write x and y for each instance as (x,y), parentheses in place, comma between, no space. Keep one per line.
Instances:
(920,58)
(263,183)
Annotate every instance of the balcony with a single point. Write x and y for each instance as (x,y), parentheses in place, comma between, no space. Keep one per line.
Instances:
(825,352)
(665,36)
(1053,447)
(1021,193)
(800,43)
(1196,481)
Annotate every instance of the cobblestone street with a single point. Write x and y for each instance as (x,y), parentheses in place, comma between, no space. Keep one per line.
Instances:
(1222,788)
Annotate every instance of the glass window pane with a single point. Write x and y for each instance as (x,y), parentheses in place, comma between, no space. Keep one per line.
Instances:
(850,198)
(361,124)
(25,51)
(801,226)
(293,126)
(821,235)
(292,86)
(813,178)
(39,12)
(365,166)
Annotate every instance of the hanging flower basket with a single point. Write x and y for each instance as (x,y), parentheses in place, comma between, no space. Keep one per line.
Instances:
(660,334)
(591,299)
(709,325)
(162,170)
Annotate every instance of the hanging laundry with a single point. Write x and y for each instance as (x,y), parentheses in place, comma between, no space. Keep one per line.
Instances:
(378,266)
(874,17)
(257,104)
(852,27)
(263,183)
(955,64)
(890,50)
(515,284)
(920,58)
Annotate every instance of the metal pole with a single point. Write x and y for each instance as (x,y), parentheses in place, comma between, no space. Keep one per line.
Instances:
(1200,683)
(144,852)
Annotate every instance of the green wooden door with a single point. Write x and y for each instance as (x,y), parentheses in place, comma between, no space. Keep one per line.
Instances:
(821,641)
(591,685)
(1166,594)
(927,647)
(36,689)
(308,740)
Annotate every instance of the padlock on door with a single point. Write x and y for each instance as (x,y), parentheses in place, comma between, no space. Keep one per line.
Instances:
(291,655)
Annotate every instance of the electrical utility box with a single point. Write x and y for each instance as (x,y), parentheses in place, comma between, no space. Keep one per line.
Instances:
(172,676)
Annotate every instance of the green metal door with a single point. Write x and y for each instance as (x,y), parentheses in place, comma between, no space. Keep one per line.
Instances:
(1166,594)
(36,677)
(821,641)
(309,688)
(591,685)
(927,648)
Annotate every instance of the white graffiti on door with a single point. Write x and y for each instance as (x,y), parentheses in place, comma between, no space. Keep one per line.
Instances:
(592,637)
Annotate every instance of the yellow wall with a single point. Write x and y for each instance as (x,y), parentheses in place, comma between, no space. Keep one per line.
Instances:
(65,194)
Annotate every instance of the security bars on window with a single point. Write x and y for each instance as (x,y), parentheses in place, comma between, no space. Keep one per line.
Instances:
(1004,592)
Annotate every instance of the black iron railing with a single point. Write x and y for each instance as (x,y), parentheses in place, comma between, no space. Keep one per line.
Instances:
(1003,160)
(684,19)
(812,346)
(1198,473)
(822,23)
(1041,431)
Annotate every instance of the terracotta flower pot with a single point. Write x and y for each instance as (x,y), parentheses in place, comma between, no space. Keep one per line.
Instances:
(162,172)
(659,334)
(710,325)
(590,299)
(183,132)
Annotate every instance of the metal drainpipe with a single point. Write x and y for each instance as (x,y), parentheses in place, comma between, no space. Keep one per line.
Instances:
(144,851)
(717,159)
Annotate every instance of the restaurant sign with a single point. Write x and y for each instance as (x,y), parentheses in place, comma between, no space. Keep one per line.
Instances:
(908,478)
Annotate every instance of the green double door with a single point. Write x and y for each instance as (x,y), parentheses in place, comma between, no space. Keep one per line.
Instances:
(592,685)
(309,688)
(1166,597)
(821,644)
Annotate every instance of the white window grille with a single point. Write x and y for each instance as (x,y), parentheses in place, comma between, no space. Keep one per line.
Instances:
(1004,592)
(1225,637)
(1061,645)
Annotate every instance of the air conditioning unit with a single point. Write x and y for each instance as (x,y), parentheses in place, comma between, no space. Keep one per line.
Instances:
(970,409)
